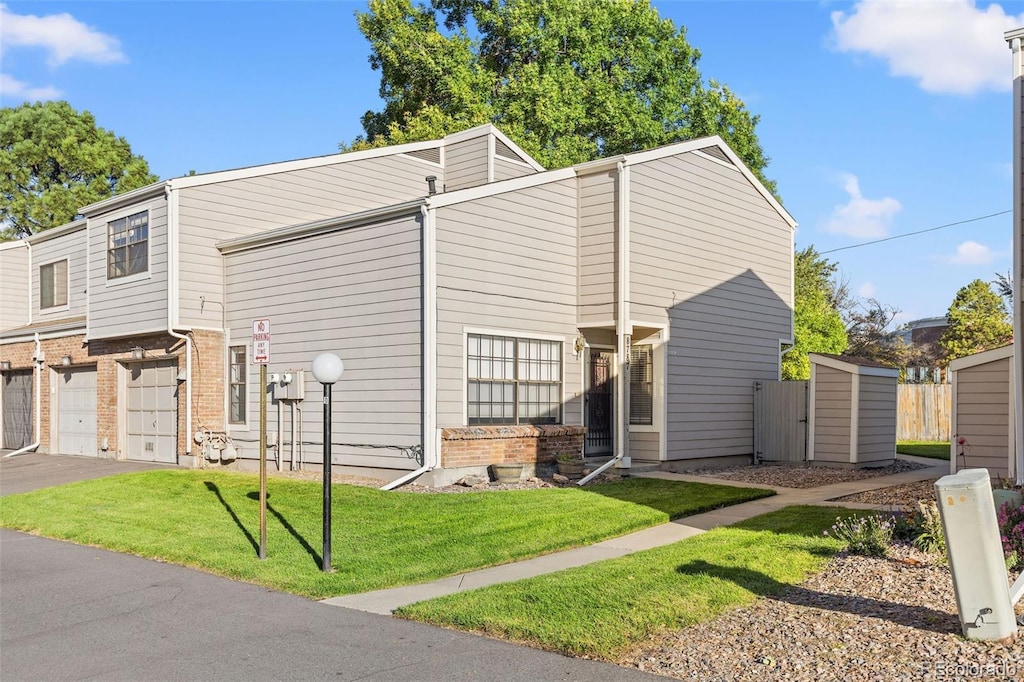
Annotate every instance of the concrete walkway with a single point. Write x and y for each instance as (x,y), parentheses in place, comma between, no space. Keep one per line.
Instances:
(386,601)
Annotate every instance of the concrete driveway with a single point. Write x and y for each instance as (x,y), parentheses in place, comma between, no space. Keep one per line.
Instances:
(22,473)
(70,613)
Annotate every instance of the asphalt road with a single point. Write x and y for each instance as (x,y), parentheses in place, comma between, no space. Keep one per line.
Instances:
(70,613)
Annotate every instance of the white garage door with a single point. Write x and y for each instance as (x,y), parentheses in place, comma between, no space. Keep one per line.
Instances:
(76,412)
(153,411)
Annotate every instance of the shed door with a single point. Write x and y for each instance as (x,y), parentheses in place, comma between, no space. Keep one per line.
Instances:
(153,411)
(17,402)
(76,412)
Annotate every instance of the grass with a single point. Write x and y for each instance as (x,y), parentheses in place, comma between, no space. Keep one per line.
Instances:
(600,610)
(210,521)
(924,448)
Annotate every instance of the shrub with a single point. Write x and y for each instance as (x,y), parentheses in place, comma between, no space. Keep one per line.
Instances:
(864,535)
(1011,532)
(931,538)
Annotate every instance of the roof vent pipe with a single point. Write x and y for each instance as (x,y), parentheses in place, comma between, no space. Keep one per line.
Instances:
(431,184)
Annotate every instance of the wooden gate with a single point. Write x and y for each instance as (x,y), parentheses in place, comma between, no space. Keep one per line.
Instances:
(780,421)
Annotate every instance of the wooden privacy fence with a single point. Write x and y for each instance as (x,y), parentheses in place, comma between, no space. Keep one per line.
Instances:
(923,411)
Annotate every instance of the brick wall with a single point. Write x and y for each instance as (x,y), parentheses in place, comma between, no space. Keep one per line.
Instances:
(482,445)
(106,355)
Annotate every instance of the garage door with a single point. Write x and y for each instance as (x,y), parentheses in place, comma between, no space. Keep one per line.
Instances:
(17,407)
(76,412)
(153,411)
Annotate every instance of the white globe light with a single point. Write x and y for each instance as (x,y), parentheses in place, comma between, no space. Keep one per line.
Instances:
(327,368)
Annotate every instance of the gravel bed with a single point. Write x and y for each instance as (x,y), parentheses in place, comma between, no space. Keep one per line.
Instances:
(860,619)
(905,496)
(524,484)
(783,476)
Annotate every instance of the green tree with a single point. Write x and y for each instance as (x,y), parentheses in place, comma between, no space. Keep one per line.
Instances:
(1004,286)
(53,161)
(977,321)
(817,324)
(871,336)
(568,80)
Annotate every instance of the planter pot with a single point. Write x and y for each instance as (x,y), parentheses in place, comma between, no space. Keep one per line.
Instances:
(507,473)
(571,469)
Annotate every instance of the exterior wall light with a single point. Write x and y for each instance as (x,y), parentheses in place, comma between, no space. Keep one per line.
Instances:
(66,361)
(5,365)
(138,352)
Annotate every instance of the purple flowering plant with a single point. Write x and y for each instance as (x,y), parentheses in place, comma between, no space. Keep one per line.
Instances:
(1010,519)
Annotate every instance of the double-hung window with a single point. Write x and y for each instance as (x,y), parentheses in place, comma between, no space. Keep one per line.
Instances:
(53,284)
(513,380)
(128,245)
(237,392)
(641,385)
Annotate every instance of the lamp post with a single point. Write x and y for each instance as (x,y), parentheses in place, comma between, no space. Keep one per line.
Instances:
(327,369)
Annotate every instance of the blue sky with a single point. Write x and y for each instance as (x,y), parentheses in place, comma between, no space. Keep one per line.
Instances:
(881,118)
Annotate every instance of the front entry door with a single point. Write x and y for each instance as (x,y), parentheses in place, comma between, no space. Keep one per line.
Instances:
(599,403)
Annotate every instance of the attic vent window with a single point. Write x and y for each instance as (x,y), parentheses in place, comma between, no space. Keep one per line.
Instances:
(502,149)
(433,155)
(716,151)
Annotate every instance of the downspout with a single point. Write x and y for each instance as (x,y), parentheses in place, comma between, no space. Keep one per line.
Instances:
(1018,257)
(623,330)
(428,415)
(38,373)
(172,300)
(28,245)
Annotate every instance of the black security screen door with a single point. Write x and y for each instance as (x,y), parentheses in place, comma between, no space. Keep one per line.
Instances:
(599,404)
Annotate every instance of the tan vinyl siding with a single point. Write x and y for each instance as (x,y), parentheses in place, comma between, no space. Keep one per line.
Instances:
(212,213)
(72,247)
(504,264)
(134,305)
(14,286)
(876,423)
(355,293)
(644,445)
(832,396)
(598,239)
(712,259)
(505,170)
(982,403)
(465,163)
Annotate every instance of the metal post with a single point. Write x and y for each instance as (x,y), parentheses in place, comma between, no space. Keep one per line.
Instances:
(326,565)
(263,462)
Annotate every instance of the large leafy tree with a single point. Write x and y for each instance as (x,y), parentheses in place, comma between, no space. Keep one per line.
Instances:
(569,81)
(977,320)
(53,161)
(817,323)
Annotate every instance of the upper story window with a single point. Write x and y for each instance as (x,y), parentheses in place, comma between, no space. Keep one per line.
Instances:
(128,245)
(513,380)
(53,284)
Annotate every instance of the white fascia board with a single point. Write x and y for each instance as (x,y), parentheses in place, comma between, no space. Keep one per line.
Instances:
(491,189)
(469,133)
(853,368)
(14,244)
(292,232)
(298,164)
(526,158)
(489,129)
(55,232)
(117,201)
(1014,33)
(982,358)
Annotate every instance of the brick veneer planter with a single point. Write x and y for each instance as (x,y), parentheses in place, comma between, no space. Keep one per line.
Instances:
(482,445)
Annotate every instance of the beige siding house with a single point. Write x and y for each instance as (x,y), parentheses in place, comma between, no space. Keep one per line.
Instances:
(487,310)
(852,412)
(983,412)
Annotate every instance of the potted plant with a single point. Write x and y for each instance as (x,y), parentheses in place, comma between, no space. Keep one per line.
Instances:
(570,464)
(508,472)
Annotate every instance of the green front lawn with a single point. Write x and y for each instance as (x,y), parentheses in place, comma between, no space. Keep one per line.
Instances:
(601,609)
(924,448)
(210,521)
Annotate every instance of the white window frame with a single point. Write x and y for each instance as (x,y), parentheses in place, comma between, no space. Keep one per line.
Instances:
(67,276)
(659,341)
(532,336)
(131,276)
(245,383)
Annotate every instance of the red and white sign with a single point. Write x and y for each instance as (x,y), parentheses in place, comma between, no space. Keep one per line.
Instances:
(261,342)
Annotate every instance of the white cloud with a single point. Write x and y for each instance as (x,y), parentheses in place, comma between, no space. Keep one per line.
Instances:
(867,290)
(13,89)
(62,36)
(947,46)
(861,217)
(972,253)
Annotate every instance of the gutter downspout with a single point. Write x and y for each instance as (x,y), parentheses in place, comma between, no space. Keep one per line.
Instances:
(1018,256)
(172,300)
(428,258)
(38,373)
(623,329)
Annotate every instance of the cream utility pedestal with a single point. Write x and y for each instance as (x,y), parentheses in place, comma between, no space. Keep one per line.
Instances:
(976,555)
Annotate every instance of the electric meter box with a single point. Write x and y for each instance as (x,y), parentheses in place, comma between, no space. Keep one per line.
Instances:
(976,555)
(295,388)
